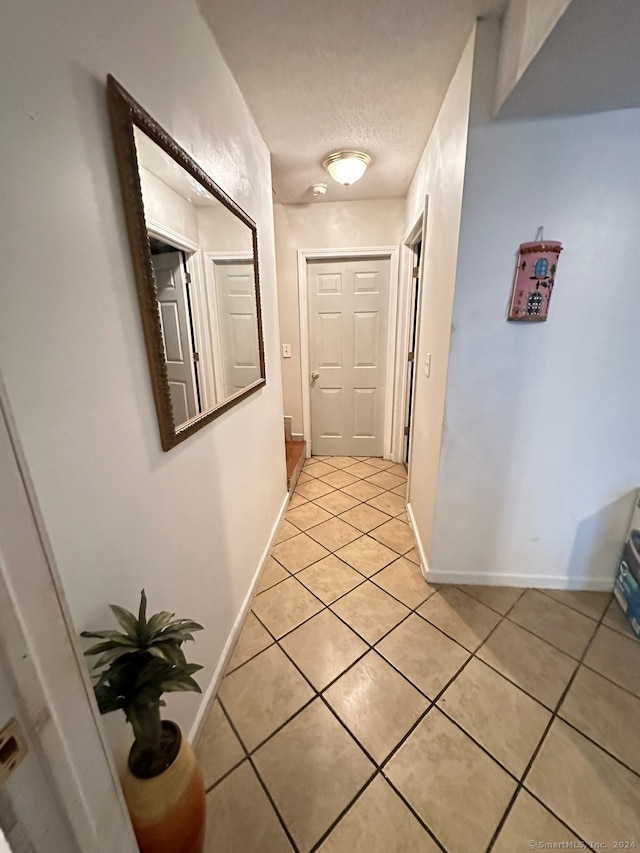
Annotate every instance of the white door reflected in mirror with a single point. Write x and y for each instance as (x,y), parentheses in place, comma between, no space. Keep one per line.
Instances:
(204,270)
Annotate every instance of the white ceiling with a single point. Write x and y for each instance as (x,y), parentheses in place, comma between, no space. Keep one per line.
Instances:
(323,75)
(590,62)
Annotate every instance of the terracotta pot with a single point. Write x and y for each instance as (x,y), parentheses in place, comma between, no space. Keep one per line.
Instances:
(168,810)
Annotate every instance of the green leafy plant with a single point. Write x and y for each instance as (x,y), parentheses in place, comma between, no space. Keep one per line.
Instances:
(141,664)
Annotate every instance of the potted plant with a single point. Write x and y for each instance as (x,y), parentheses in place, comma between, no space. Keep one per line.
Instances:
(163,785)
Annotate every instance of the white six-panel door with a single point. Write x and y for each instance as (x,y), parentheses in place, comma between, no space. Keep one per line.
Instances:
(348,319)
(235,289)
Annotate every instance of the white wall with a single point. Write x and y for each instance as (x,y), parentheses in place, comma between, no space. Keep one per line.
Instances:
(163,205)
(527,25)
(540,447)
(326,225)
(221,231)
(121,513)
(440,174)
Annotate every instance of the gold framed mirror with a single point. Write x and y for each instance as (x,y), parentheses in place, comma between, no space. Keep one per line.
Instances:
(195,258)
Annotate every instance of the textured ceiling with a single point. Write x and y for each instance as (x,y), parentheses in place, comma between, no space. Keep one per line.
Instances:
(318,76)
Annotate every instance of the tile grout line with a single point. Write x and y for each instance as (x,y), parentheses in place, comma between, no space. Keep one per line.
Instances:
(472,654)
(579,661)
(242,760)
(339,517)
(352,803)
(378,766)
(547,593)
(270,632)
(273,805)
(437,698)
(318,694)
(373,647)
(599,745)
(536,752)
(452,679)
(342,814)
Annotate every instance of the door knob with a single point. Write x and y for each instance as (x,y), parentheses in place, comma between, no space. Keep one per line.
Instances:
(315,375)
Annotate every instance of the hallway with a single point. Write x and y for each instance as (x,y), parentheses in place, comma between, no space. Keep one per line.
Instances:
(365,711)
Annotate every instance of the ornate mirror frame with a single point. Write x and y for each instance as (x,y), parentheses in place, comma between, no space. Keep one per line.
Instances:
(126,114)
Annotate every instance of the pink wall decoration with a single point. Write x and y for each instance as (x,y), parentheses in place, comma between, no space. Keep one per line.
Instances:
(535,277)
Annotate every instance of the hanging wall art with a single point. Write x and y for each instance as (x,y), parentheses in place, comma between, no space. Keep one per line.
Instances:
(534,280)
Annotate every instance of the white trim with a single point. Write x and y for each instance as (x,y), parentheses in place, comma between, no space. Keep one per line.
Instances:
(297,436)
(200,316)
(488,579)
(305,255)
(303,312)
(420,225)
(402,345)
(163,232)
(416,229)
(536,581)
(202,326)
(413,233)
(246,257)
(391,353)
(424,563)
(214,685)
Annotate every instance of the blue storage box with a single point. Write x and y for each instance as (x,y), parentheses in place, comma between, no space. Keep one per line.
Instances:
(627,588)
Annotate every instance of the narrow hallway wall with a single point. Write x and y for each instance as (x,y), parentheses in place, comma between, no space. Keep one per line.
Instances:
(440,174)
(189,525)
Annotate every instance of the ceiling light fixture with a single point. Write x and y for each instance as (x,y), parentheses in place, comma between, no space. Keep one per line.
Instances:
(347,167)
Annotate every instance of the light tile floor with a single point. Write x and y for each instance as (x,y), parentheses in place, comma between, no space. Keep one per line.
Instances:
(365,711)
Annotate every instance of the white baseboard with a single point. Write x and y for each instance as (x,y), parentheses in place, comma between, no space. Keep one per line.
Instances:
(602,584)
(536,581)
(297,436)
(212,690)
(424,563)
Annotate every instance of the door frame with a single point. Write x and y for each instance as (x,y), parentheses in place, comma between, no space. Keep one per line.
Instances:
(198,291)
(305,255)
(44,661)
(415,232)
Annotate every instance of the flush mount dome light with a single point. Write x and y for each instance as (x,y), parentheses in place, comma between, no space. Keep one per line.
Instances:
(347,167)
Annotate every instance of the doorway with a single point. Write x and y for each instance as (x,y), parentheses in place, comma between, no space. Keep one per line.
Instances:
(414,301)
(347,318)
(173,282)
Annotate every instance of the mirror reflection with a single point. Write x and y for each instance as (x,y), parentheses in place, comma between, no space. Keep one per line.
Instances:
(202,256)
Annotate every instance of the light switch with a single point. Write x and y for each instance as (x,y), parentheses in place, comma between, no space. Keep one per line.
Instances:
(427,365)
(286,350)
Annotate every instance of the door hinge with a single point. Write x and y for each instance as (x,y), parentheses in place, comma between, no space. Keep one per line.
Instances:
(196,356)
(411,356)
(187,276)
(416,272)
(406,430)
